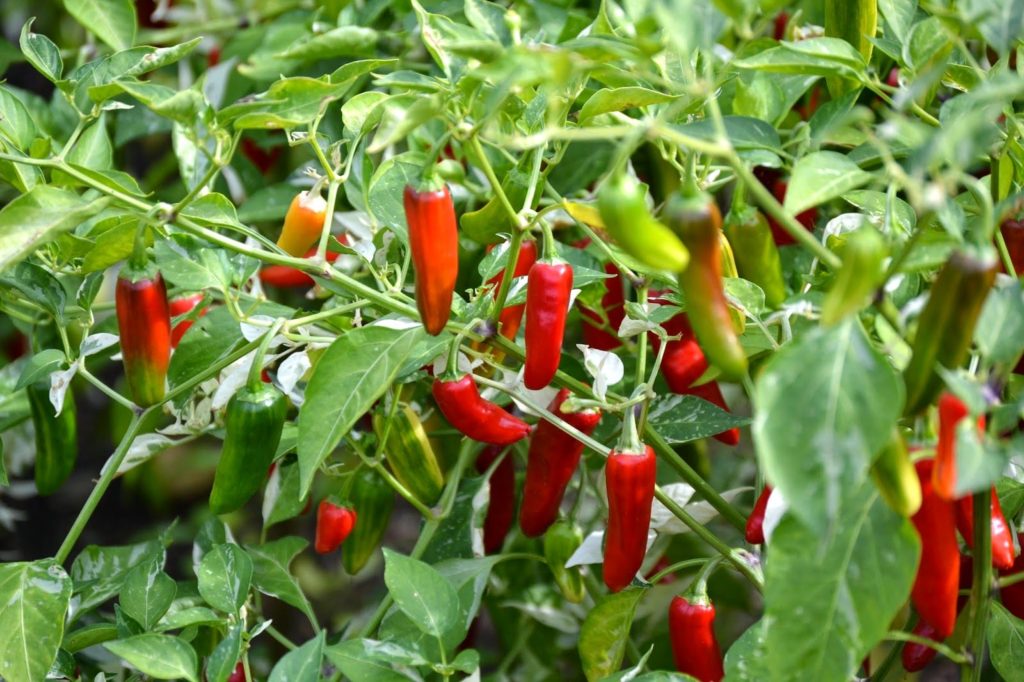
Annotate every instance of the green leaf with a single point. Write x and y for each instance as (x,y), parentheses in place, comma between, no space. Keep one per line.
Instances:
(686,418)
(147,593)
(619,99)
(39,286)
(210,338)
(825,404)
(812,57)
(352,375)
(302,664)
(1000,330)
(899,14)
(16,124)
(40,366)
(224,577)
(830,597)
(454,538)
(271,576)
(421,593)
(193,615)
(605,631)
(1001,22)
(744,133)
(288,103)
(160,656)
(225,657)
(1005,634)
(344,41)
(281,497)
(34,598)
(112,21)
(385,190)
(367,660)
(38,217)
(746,660)
(99,572)
(41,53)
(820,177)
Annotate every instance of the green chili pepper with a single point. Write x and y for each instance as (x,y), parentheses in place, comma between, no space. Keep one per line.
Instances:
(895,478)
(373,501)
(56,442)
(410,455)
(755,252)
(561,540)
(863,255)
(623,207)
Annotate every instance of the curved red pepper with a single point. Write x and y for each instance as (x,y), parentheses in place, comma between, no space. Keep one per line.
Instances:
(552,461)
(694,645)
(629,480)
(934,593)
(181,306)
(547,304)
(1002,533)
(613,302)
(755,522)
(1012,596)
(512,316)
(461,404)
(434,245)
(333,524)
(501,509)
(916,657)
(287,277)
(713,394)
(144,323)
(951,411)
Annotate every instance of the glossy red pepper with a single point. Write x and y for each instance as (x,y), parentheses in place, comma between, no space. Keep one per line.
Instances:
(333,524)
(263,159)
(501,507)
(238,674)
(807,218)
(1002,533)
(434,245)
(629,481)
(512,316)
(684,361)
(553,458)
(934,593)
(144,322)
(692,633)
(613,303)
(181,306)
(287,277)
(779,25)
(462,405)
(916,657)
(1013,236)
(1012,596)
(951,411)
(547,303)
(712,393)
(755,522)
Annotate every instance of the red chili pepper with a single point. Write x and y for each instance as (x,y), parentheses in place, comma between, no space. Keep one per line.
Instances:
(916,657)
(694,645)
(144,322)
(547,303)
(807,218)
(501,509)
(951,411)
(461,404)
(434,244)
(181,306)
(893,80)
(629,481)
(683,362)
(287,277)
(238,674)
(613,302)
(934,593)
(713,394)
(262,158)
(1002,534)
(552,461)
(512,316)
(779,29)
(333,524)
(1013,235)
(1012,596)
(755,522)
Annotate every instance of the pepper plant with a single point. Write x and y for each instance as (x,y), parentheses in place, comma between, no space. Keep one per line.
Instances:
(454,275)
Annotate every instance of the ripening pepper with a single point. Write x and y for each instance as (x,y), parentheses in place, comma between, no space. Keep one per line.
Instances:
(934,593)
(952,411)
(755,522)
(895,478)
(1012,596)
(253,423)
(462,405)
(858,276)
(629,481)
(691,629)
(333,525)
(757,256)
(553,458)
(622,202)
(561,541)
(303,223)
(410,455)
(373,500)
(181,306)
(712,393)
(698,223)
(1001,531)
(548,288)
(598,333)
(56,437)
(144,323)
(946,325)
(434,245)
(501,505)
(512,316)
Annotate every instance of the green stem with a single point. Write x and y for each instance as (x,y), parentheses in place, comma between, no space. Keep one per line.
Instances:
(981,588)
(256,368)
(514,247)
(678,566)
(485,166)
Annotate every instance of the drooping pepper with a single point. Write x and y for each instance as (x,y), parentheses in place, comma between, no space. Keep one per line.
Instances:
(629,480)
(512,316)
(287,277)
(757,256)
(807,218)
(695,218)
(695,648)
(553,458)
(934,593)
(916,657)
(613,304)
(373,500)
(951,411)
(501,507)
(1012,596)
(181,306)
(548,288)
(623,207)
(303,223)
(56,437)
(712,393)
(462,405)
(144,323)
(946,325)
(561,541)
(858,277)
(1001,531)
(683,362)
(895,478)
(434,245)
(409,454)
(333,525)
(1013,236)
(755,522)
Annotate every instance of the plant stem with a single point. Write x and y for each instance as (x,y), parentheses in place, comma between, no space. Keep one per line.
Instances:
(981,588)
